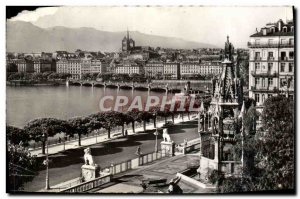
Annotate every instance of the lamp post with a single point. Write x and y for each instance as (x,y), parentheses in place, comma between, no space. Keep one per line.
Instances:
(46,162)
(65,139)
(154,120)
(156,134)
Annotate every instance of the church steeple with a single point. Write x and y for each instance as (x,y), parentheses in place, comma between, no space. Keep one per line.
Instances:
(127,43)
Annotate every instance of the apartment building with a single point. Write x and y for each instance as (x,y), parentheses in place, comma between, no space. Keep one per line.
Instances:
(25,65)
(41,65)
(271,62)
(189,68)
(154,69)
(74,68)
(210,67)
(62,66)
(172,70)
(128,67)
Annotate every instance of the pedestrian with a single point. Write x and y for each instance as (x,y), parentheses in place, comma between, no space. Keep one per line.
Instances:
(59,140)
(138,150)
(144,186)
(174,187)
(126,132)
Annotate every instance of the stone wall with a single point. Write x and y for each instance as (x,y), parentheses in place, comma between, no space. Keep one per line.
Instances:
(206,167)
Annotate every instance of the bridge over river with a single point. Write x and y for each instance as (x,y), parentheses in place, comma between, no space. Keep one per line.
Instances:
(168,87)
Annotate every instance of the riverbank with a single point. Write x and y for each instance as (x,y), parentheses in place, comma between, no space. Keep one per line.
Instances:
(34,83)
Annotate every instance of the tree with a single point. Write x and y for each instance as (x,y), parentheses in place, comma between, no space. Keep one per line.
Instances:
(37,76)
(21,167)
(17,136)
(244,68)
(165,113)
(134,114)
(85,76)
(40,129)
(110,119)
(145,116)
(11,67)
(53,76)
(276,147)
(250,120)
(235,185)
(118,118)
(80,126)
(46,74)
(155,112)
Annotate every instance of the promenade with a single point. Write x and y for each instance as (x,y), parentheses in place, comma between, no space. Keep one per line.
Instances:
(86,141)
(66,165)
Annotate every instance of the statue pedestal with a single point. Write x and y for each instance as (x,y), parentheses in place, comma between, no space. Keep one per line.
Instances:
(168,148)
(90,172)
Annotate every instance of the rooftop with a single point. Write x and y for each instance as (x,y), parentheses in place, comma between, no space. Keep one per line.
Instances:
(275,34)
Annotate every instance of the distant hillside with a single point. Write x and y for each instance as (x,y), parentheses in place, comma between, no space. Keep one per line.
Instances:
(26,37)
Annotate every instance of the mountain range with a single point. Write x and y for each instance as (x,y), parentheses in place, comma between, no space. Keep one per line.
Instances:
(26,37)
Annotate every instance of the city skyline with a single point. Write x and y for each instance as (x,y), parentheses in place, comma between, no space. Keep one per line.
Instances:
(150,100)
(168,21)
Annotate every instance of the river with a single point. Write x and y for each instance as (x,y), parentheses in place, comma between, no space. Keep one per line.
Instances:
(26,103)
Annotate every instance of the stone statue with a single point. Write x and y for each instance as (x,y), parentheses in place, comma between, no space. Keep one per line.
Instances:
(229,50)
(88,158)
(166,136)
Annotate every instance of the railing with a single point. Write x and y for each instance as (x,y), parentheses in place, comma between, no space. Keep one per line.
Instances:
(286,44)
(134,163)
(271,58)
(257,58)
(189,146)
(89,184)
(285,58)
(264,88)
(116,169)
(265,73)
(270,45)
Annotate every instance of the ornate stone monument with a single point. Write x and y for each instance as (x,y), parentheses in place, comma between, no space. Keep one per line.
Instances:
(90,170)
(167,145)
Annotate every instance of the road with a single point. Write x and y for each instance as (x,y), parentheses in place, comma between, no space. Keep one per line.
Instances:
(67,165)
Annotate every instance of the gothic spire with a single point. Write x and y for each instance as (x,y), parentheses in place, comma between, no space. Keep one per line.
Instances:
(127,33)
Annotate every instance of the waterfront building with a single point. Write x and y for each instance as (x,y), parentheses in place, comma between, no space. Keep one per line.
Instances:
(129,67)
(210,67)
(86,65)
(25,65)
(271,62)
(189,69)
(218,125)
(97,67)
(74,68)
(41,65)
(154,69)
(62,66)
(172,70)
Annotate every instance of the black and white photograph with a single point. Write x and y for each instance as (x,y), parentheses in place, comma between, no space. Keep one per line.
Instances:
(150,100)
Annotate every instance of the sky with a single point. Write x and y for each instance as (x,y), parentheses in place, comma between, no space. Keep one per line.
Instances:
(201,24)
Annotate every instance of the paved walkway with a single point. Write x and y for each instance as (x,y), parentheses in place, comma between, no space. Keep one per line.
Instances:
(164,169)
(53,149)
